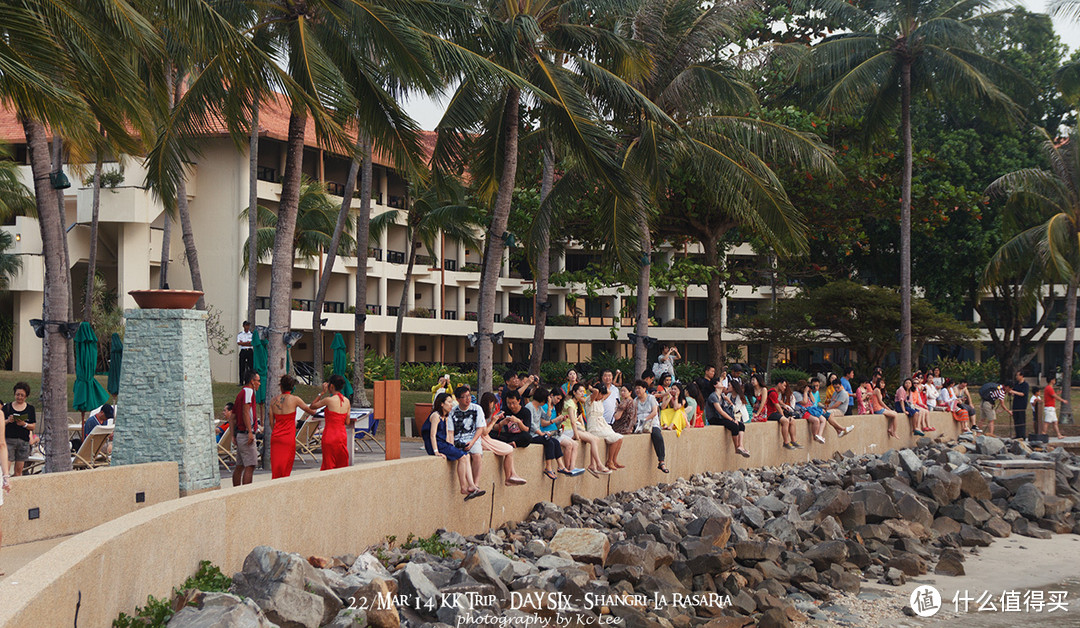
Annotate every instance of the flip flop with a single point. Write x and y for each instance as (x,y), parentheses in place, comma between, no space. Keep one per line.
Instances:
(594,473)
(566,472)
(550,474)
(476,493)
(663,467)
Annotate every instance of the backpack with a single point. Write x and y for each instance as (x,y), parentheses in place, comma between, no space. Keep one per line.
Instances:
(987,390)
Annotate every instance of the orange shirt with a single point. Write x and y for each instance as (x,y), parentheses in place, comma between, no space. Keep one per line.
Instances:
(1049,397)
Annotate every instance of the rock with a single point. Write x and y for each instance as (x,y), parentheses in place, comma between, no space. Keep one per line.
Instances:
(967,510)
(945,525)
(831,501)
(973,484)
(997,526)
(854,516)
(973,537)
(771,504)
(584,544)
(629,573)
(893,576)
(950,564)
(379,609)
(911,463)
(1028,501)
(351,618)
(478,565)
(879,469)
(753,515)
(220,610)
(945,493)
(911,509)
(857,554)
(910,564)
(743,602)
(1024,527)
(1054,505)
(551,561)
(842,580)
(878,505)
(825,554)
(287,589)
(781,529)
(707,507)
(774,618)
(1012,483)
(989,445)
(751,552)
(413,581)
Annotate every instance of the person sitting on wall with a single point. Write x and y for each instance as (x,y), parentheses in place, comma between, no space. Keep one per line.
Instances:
(551,425)
(574,407)
(777,410)
(598,426)
(539,436)
(433,433)
(624,418)
(512,380)
(649,378)
(489,403)
(878,405)
(838,405)
(647,411)
(719,413)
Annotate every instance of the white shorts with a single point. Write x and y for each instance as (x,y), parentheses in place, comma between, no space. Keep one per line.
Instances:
(1050,415)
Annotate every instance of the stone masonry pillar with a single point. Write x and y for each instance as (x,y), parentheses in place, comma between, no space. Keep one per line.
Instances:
(165,410)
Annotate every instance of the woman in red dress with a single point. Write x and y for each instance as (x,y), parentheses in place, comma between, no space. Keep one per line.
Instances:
(283,438)
(335,435)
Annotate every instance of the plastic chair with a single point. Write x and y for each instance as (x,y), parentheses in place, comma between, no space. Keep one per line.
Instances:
(369,434)
(224,448)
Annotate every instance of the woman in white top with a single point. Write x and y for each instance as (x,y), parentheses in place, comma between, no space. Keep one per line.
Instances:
(947,396)
(597,426)
(574,407)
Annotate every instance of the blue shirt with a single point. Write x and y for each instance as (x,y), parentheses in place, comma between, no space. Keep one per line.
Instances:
(847,388)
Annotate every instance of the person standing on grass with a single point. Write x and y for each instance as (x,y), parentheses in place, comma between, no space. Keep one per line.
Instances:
(1050,401)
(247,354)
(1019,392)
(21,422)
(244,426)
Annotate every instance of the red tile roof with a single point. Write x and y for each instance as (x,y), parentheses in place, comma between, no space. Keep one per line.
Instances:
(273,123)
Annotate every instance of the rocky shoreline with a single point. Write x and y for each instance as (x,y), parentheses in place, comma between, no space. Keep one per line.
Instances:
(776,546)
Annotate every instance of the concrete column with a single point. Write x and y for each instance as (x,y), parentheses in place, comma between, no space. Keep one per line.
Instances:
(382,344)
(459,252)
(461,302)
(410,298)
(350,288)
(132,251)
(438,348)
(667,308)
(382,293)
(558,303)
(383,239)
(504,302)
(384,187)
(26,346)
(410,347)
(504,269)
(723,313)
(462,345)
(437,291)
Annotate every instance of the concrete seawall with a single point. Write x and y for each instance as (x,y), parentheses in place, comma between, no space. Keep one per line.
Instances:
(147,552)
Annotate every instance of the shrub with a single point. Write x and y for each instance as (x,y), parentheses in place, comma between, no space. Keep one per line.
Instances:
(420,312)
(601,361)
(513,319)
(974,372)
(790,374)
(554,373)
(561,320)
(689,371)
(675,322)
(157,612)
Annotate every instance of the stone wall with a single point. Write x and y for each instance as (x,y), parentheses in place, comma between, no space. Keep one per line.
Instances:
(165,410)
(345,510)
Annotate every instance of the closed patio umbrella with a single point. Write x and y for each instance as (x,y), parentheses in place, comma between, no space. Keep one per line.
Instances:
(341,362)
(116,358)
(88,393)
(261,362)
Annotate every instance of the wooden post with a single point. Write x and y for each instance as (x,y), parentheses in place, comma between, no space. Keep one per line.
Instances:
(388,409)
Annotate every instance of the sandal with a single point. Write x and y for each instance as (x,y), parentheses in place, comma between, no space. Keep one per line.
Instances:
(663,467)
(550,474)
(476,493)
(593,472)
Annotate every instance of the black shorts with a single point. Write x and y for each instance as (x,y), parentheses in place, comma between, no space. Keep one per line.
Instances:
(731,426)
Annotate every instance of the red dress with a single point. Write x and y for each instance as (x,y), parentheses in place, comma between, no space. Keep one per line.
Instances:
(335,440)
(283,445)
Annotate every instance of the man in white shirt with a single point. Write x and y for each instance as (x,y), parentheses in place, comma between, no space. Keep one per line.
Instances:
(612,381)
(467,421)
(247,355)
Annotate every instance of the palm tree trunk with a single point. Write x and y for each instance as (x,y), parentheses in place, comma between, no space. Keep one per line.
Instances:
(281,269)
(543,268)
(190,252)
(363,223)
(772,304)
(905,224)
(253,213)
(91,268)
(641,326)
(58,166)
(714,300)
(489,276)
(331,256)
(401,306)
(57,297)
(1070,339)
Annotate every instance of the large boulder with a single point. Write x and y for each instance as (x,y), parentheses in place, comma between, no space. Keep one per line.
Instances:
(1029,502)
(831,501)
(477,564)
(911,464)
(220,610)
(584,544)
(825,554)
(878,505)
(287,588)
(989,445)
(973,484)
(911,509)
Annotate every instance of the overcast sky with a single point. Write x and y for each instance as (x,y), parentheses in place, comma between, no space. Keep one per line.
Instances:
(428,112)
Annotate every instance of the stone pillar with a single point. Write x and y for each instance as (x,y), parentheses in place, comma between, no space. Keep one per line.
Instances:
(166,406)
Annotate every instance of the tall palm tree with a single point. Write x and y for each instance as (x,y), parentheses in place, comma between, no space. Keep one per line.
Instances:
(702,87)
(69,71)
(1052,247)
(895,52)
(546,52)
(437,212)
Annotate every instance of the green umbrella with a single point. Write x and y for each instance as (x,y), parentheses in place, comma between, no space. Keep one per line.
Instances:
(89,393)
(116,358)
(341,361)
(261,362)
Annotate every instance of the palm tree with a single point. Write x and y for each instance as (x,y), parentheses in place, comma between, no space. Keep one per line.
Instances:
(315,221)
(437,212)
(727,152)
(894,52)
(1052,247)
(548,53)
(68,68)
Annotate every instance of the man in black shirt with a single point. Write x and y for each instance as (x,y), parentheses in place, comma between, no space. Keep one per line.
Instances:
(516,424)
(1019,392)
(704,383)
(21,421)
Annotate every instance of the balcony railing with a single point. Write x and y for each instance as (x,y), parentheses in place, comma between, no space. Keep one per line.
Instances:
(375,253)
(392,310)
(498,317)
(336,189)
(450,315)
(266,173)
(425,260)
(262,303)
(395,257)
(450,264)
(374,310)
(397,202)
(470,316)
